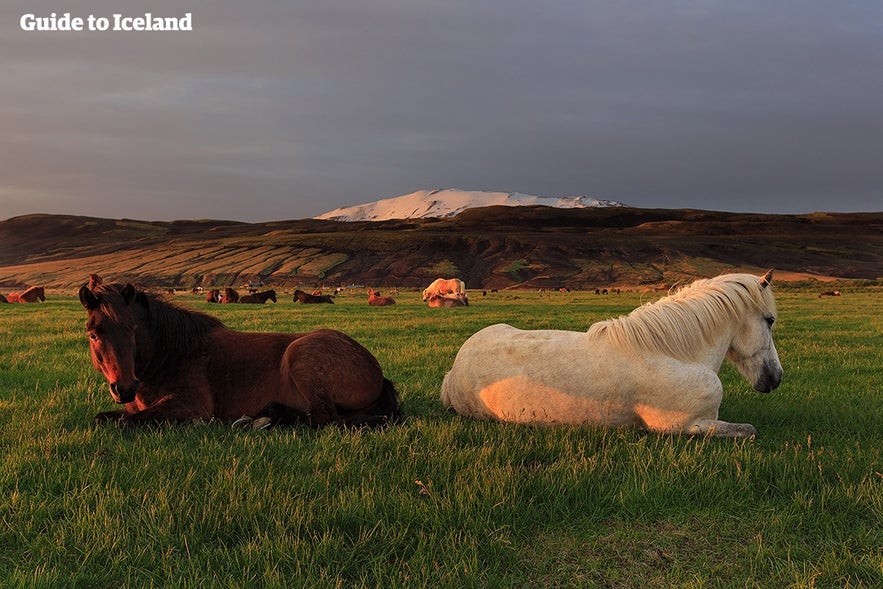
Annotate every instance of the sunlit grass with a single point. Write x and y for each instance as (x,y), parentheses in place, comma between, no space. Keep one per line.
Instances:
(441,501)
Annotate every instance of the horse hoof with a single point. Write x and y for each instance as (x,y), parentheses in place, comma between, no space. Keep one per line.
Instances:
(243,422)
(262,423)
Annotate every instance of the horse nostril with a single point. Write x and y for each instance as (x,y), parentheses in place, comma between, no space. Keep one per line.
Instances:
(123,395)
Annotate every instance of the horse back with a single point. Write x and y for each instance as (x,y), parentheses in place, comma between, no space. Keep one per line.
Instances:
(505,363)
(248,370)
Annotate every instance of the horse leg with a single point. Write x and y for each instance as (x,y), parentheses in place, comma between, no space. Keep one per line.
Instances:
(722,429)
(166,410)
(694,410)
(271,415)
(106,416)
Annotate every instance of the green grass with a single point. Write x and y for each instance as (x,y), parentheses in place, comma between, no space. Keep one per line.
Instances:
(442,501)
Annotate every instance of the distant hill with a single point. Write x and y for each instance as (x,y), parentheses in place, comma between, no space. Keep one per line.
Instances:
(491,247)
(450,202)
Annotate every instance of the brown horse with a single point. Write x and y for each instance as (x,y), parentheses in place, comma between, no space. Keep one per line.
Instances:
(170,364)
(230,296)
(259,297)
(31,295)
(306,298)
(213,296)
(375,300)
(437,301)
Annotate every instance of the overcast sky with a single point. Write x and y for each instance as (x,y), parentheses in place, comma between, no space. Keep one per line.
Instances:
(283,109)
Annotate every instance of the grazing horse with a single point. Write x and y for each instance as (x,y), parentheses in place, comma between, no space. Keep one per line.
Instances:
(259,297)
(655,368)
(230,296)
(829,293)
(436,301)
(32,295)
(445,286)
(375,300)
(310,299)
(213,296)
(166,363)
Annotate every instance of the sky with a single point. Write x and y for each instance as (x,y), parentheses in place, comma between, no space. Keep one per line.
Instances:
(285,109)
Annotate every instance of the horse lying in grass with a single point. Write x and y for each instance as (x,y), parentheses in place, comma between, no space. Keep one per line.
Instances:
(170,364)
(447,301)
(306,298)
(230,296)
(32,295)
(259,297)
(375,300)
(655,368)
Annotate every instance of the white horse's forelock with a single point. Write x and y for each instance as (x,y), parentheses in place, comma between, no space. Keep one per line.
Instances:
(682,324)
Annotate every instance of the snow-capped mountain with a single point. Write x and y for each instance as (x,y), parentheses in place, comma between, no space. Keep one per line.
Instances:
(449,202)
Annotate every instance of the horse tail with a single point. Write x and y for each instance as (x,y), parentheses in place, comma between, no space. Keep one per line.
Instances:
(384,410)
(388,401)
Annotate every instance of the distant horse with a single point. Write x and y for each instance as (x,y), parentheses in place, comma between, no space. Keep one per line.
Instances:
(442,301)
(230,296)
(32,295)
(310,299)
(444,286)
(375,300)
(655,368)
(829,293)
(213,296)
(259,297)
(170,364)
(3,299)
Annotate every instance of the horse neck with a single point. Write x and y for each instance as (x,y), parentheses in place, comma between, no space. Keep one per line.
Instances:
(674,329)
(168,337)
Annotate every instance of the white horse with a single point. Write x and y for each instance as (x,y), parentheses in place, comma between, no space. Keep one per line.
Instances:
(656,368)
(451,287)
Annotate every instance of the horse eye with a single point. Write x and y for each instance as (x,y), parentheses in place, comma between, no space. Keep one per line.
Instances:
(770,320)
(93,336)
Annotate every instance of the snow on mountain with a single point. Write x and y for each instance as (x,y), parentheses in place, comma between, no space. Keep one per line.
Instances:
(449,202)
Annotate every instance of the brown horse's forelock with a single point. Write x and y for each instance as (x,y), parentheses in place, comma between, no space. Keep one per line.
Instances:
(112,306)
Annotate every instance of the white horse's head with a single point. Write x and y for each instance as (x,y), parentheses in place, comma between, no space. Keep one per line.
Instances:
(752,350)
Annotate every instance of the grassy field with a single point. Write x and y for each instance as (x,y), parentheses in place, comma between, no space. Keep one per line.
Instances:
(441,501)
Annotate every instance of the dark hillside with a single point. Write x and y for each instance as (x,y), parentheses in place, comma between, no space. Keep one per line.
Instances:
(493,247)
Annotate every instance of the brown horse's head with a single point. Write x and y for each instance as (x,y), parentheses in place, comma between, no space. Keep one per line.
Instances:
(111,330)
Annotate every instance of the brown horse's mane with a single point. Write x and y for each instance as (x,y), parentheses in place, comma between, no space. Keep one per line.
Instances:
(177,333)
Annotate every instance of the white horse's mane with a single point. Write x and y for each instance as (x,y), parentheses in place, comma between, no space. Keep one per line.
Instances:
(681,324)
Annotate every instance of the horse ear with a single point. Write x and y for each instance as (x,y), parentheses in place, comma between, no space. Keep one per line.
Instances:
(128,293)
(88,298)
(767,279)
(94,280)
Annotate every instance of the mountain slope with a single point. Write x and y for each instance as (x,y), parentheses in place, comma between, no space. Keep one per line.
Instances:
(450,202)
(493,247)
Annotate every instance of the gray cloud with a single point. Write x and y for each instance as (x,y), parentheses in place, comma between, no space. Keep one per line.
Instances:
(280,109)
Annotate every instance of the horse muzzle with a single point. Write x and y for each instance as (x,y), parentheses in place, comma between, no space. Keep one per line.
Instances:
(769,379)
(122,395)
